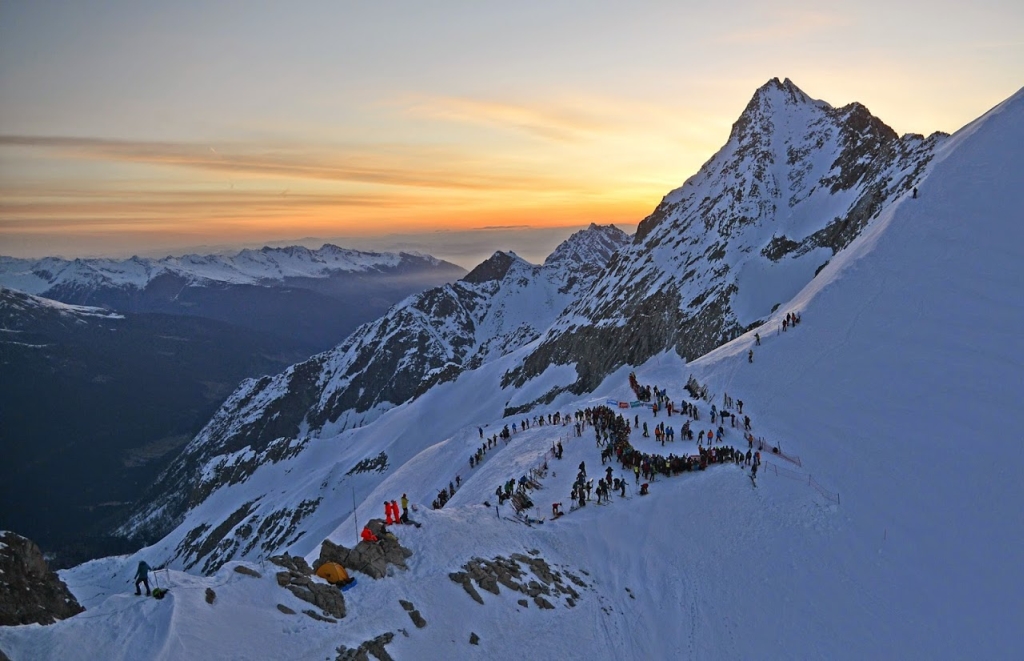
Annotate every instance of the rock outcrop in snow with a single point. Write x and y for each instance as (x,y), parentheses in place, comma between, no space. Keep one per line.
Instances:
(29,591)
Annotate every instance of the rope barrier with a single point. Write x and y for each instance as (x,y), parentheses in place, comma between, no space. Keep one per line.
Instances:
(781,471)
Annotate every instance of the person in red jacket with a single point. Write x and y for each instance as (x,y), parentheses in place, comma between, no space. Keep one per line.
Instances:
(367,535)
(387,513)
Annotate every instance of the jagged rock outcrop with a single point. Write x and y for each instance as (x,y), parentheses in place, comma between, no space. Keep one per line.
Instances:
(297,579)
(29,592)
(374,647)
(511,573)
(370,558)
(797,181)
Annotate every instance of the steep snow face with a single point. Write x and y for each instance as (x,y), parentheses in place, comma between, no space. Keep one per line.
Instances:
(430,338)
(795,183)
(246,267)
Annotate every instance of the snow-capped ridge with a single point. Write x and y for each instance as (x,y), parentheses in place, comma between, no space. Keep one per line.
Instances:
(591,246)
(267,264)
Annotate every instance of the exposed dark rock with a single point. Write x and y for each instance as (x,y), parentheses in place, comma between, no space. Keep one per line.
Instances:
(29,592)
(211,596)
(297,580)
(325,597)
(317,616)
(779,247)
(488,574)
(474,639)
(284,609)
(294,563)
(378,464)
(373,647)
(417,619)
(242,569)
(407,605)
(464,580)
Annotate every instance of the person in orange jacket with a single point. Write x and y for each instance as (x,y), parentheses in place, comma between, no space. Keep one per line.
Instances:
(368,535)
(387,513)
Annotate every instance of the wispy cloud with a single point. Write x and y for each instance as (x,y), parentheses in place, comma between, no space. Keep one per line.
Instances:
(380,164)
(550,123)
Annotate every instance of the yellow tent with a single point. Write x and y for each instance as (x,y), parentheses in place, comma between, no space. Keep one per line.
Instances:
(333,573)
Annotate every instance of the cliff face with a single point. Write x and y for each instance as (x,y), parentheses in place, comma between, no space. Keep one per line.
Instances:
(29,592)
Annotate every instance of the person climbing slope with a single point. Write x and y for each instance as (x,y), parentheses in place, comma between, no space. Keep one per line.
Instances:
(142,576)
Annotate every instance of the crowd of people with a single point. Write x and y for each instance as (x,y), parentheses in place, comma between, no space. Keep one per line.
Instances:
(612,432)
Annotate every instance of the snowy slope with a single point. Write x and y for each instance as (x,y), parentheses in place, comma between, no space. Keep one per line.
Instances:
(427,339)
(246,267)
(899,391)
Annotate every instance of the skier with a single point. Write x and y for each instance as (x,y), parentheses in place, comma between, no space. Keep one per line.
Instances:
(914,196)
(757,339)
(750,356)
(405,506)
(583,468)
(142,576)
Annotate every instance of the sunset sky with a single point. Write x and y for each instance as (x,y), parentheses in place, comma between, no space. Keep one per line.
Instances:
(157,127)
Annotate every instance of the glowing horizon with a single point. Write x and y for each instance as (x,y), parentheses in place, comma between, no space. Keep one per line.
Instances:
(141,128)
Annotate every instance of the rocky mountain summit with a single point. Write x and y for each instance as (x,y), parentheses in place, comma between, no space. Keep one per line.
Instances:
(795,183)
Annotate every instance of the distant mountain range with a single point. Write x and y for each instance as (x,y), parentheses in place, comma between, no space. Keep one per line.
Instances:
(95,401)
(314,297)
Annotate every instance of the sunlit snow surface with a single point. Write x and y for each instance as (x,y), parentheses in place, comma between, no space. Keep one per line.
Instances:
(900,390)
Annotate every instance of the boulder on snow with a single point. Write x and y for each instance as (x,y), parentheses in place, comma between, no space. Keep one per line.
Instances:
(294,563)
(370,558)
(211,596)
(325,597)
(242,569)
(29,591)
(373,648)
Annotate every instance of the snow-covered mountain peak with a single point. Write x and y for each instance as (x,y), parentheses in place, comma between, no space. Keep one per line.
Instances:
(795,182)
(493,268)
(587,247)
